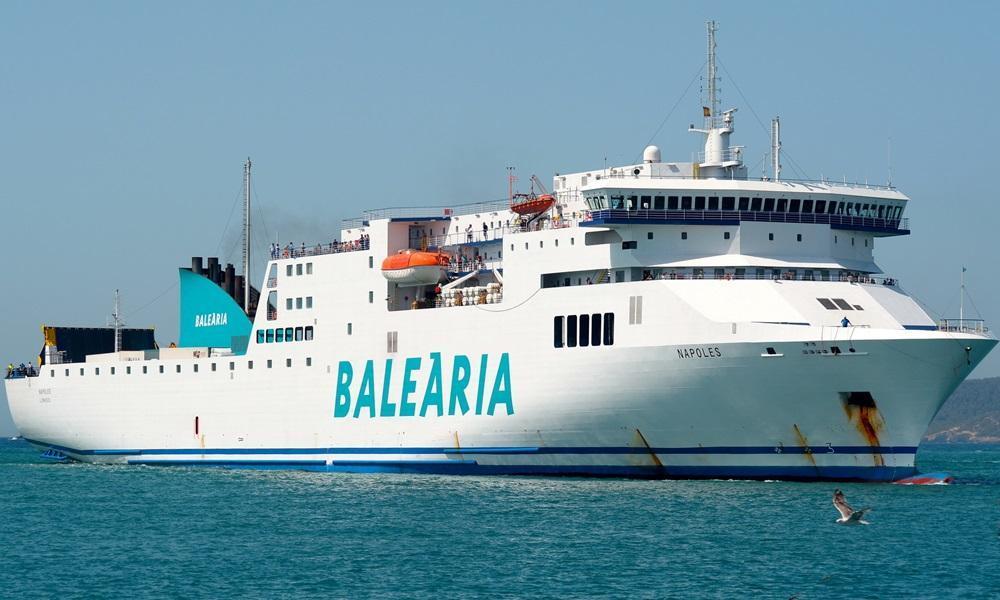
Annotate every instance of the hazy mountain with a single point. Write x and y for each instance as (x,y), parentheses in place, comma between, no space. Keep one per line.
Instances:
(971,414)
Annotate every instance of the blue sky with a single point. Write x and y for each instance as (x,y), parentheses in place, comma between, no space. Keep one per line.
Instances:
(124,125)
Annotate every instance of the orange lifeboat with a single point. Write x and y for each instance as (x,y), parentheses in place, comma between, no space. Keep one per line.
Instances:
(524,204)
(415,267)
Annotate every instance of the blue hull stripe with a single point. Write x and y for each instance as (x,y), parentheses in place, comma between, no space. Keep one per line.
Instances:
(494,450)
(648,472)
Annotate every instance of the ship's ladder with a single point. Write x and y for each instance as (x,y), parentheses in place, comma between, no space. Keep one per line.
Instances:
(602,276)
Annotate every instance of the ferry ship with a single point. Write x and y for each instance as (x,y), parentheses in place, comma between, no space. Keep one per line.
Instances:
(659,319)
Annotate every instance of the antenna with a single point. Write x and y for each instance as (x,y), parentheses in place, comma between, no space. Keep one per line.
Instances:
(713,99)
(776,147)
(117,322)
(511,178)
(246,236)
(888,158)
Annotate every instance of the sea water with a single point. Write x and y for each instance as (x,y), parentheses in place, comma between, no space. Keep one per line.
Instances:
(74,530)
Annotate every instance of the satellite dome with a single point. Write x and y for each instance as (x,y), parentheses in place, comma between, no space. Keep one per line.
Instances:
(651,154)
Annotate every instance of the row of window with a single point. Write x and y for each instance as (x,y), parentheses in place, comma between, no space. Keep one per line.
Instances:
(195,368)
(298,269)
(297,303)
(745,203)
(583,330)
(286,334)
(838,304)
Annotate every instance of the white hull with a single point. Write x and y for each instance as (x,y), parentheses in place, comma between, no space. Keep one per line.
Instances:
(628,409)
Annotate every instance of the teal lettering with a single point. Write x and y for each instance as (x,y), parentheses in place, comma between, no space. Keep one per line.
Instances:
(406,408)
(433,395)
(482,384)
(387,409)
(342,401)
(501,387)
(461,372)
(366,395)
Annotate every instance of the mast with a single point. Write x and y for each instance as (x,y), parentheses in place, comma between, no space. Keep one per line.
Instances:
(961,301)
(117,322)
(713,96)
(776,147)
(246,236)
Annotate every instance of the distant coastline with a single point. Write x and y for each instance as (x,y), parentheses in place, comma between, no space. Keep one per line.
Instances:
(970,416)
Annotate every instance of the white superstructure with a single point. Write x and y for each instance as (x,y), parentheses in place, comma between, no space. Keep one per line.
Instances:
(661,319)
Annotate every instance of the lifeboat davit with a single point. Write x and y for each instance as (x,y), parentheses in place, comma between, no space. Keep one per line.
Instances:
(532,205)
(415,267)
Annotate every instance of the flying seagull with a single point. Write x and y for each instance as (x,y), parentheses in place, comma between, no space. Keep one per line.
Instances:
(848,516)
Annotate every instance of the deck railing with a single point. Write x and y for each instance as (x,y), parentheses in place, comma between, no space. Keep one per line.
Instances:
(977,326)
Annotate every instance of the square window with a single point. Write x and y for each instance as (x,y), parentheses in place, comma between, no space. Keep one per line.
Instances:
(699,203)
(798,237)
(685,202)
(684,235)
(713,203)
(755,204)
(725,235)
(744,203)
(649,235)
(728,203)
(770,237)
(672,203)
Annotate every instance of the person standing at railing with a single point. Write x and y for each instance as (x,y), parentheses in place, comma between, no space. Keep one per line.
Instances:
(10,370)
(845,322)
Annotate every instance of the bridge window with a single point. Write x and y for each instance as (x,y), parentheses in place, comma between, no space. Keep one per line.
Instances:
(672,203)
(755,204)
(658,202)
(729,203)
(633,202)
(793,205)
(685,202)
(768,204)
(646,202)
(713,203)
(820,207)
(782,205)
(744,203)
(807,206)
(841,303)
(699,203)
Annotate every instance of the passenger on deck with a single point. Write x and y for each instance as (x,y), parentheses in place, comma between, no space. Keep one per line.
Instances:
(486,230)
(468,233)
(845,322)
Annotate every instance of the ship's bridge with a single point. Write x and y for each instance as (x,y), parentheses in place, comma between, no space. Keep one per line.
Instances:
(611,199)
